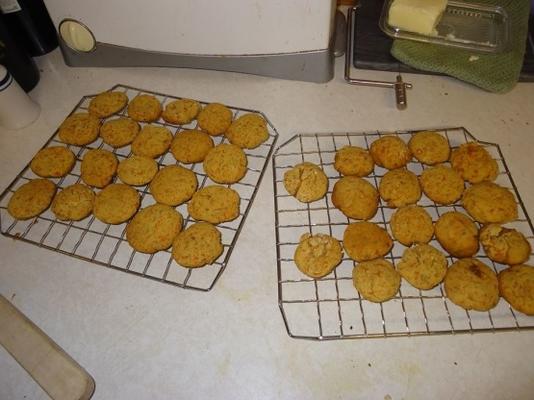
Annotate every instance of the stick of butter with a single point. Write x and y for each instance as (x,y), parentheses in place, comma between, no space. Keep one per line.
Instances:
(420,16)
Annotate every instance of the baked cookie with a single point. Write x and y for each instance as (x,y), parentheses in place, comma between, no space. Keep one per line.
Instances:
(137,170)
(181,112)
(474,163)
(423,266)
(215,119)
(503,245)
(442,184)
(198,245)
(472,285)
(98,167)
(116,203)
(214,204)
(191,146)
(225,163)
(390,152)
(153,141)
(73,203)
(173,185)
(79,129)
(248,131)
(353,160)
(429,147)
(376,280)
(365,241)
(488,202)
(457,234)
(516,285)
(355,197)
(107,103)
(306,182)
(399,187)
(31,199)
(119,132)
(411,224)
(153,228)
(53,162)
(317,255)
(144,108)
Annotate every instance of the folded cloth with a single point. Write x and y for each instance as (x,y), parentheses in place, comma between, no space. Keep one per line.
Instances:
(496,72)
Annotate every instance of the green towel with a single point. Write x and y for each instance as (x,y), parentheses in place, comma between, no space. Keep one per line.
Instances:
(493,72)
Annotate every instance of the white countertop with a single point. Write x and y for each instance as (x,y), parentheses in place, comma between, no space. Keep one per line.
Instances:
(140,339)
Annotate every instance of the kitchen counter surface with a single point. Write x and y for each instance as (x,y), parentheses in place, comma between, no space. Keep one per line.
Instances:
(140,339)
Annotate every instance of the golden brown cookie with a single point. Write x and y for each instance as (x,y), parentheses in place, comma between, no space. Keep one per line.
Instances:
(353,160)
(423,266)
(107,103)
(31,199)
(317,255)
(137,170)
(506,246)
(488,202)
(215,119)
(355,197)
(306,182)
(79,129)
(248,131)
(53,162)
(429,147)
(116,203)
(98,167)
(442,184)
(516,285)
(181,112)
(390,152)
(191,146)
(173,185)
(153,141)
(73,203)
(457,234)
(365,241)
(153,228)
(412,224)
(376,280)
(119,132)
(472,285)
(198,245)
(144,108)
(474,163)
(214,204)
(399,187)
(225,163)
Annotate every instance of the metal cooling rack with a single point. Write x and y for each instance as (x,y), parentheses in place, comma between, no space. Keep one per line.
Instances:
(330,307)
(106,245)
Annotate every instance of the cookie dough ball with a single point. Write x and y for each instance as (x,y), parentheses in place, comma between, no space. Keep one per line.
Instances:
(429,147)
(442,184)
(225,163)
(31,199)
(144,108)
(488,202)
(505,246)
(423,266)
(353,160)
(355,197)
(107,103)
(516,285)
(248,131)
(390,152)
(137,170)
(317,255)
(79,129)
(191,146)
(412,224)
(53,162)
(197,246)
(472,285)
(181,112)
(214,204)
(457,234)
(399,187)
(98,167)
(73,203)
(474,163)
(153,141)
(173,185)
(119,132)
(376,280)
(215,119)
(306,181)
(116,203)
(366,241)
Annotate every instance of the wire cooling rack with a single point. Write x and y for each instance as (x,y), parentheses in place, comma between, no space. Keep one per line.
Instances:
(106,245)
(330,307)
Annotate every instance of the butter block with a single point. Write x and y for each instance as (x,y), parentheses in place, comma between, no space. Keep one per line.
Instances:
(420,16)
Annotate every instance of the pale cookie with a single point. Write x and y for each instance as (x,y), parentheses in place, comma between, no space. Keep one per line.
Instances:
(173,185)
(355,197)
(505,246)
(116,203)
(248,131)
(137,170)
(442,184)
(365,241)
(198,245)
(107,103)
(488,202)
(53,162)
(73,203)
(306,182)
(474,163)
(215,119)
(79,129)
(225,163)
(317,255)
(423,266)
(411,224)
(390,152)
(429,147)
(353,160)
(144,108)
(119,132)
(516,285)
(457,234)
(153,141)
(31,199)
(472,285)
(181,112)
(153,228)
(214,204)
(399,187)
(191,146)
(98,167)
(376,280)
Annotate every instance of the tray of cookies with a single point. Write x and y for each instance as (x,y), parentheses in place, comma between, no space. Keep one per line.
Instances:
(147,183)
(399,234)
